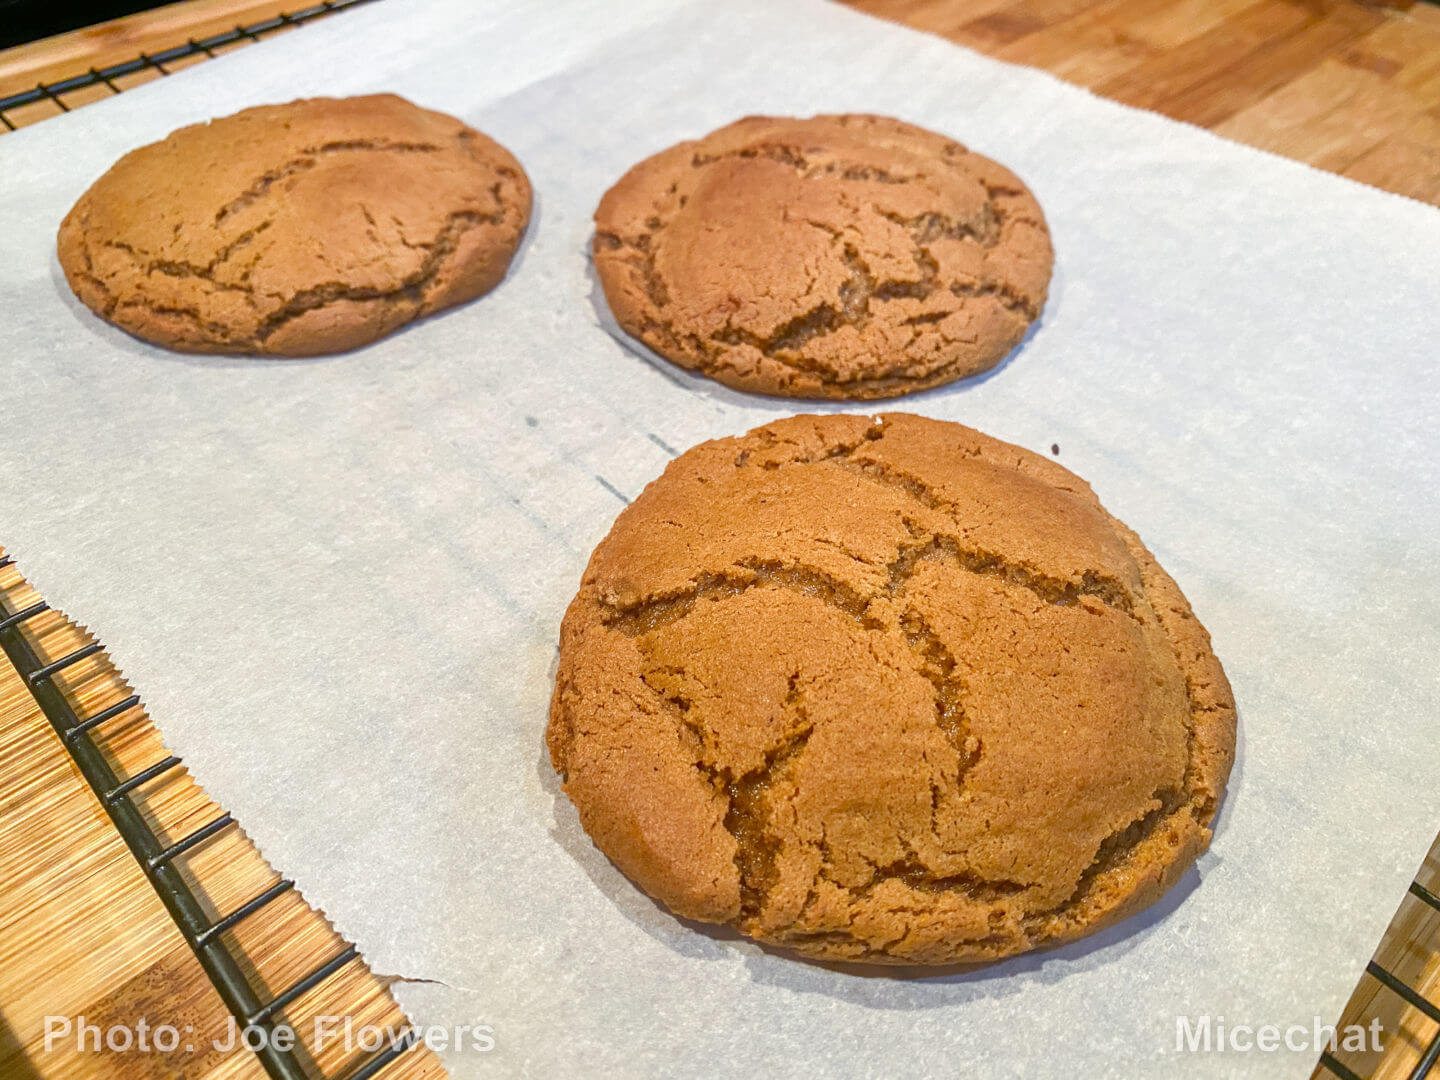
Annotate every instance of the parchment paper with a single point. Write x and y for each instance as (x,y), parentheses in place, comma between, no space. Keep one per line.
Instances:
(337,583)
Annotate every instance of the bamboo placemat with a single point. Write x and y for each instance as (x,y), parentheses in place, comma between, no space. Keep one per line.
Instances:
(1400,988)
(83,928)
(53,76)
(1350,88)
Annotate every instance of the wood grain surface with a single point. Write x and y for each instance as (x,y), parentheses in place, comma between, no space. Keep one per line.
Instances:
(1410,950)
(1349,88)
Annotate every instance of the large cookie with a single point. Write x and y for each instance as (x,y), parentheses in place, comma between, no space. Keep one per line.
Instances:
(834,257)
(299,229)
(888,691)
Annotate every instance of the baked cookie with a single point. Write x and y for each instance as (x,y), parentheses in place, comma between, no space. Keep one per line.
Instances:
(890,691)
(834,257)
(296,230)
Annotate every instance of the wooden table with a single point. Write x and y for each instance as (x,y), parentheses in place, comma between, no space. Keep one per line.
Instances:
(1349,88)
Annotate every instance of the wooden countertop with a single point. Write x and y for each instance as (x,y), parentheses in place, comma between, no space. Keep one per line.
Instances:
(1349,88)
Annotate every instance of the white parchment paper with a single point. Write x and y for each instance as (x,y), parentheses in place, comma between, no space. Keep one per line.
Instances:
(337,583)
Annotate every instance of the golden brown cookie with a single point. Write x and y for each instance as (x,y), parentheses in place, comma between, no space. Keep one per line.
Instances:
(887,690)
(834,257)
(295,230)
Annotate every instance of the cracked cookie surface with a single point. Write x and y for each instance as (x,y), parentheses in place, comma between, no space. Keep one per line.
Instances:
(300,229)
(833,257)
(887,691)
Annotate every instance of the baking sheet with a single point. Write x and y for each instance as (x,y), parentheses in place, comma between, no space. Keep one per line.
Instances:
(337,583)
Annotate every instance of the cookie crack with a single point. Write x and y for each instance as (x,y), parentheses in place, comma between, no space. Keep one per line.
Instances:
(924,545)
(1114,851)
(920,881)
(841,448)
(190,314)
(88,274)
(853,308)
(309,158)
(913,873)
(679,706)
(182,268)
(1054,591)
(1008,297)
(1108,590)
(926,228)
(412,290)
(756,850)
(850,308)
(795,157)
(747,818)
(937,664)
(652,614)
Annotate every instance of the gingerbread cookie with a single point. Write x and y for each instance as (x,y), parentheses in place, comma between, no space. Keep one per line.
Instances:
(294,230)
(834,257)
(887,691)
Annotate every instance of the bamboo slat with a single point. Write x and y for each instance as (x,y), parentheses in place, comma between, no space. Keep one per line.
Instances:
(118,40)
(83,933)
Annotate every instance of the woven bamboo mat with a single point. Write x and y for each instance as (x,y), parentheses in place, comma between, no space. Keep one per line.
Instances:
(84,932)
(1400,988)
